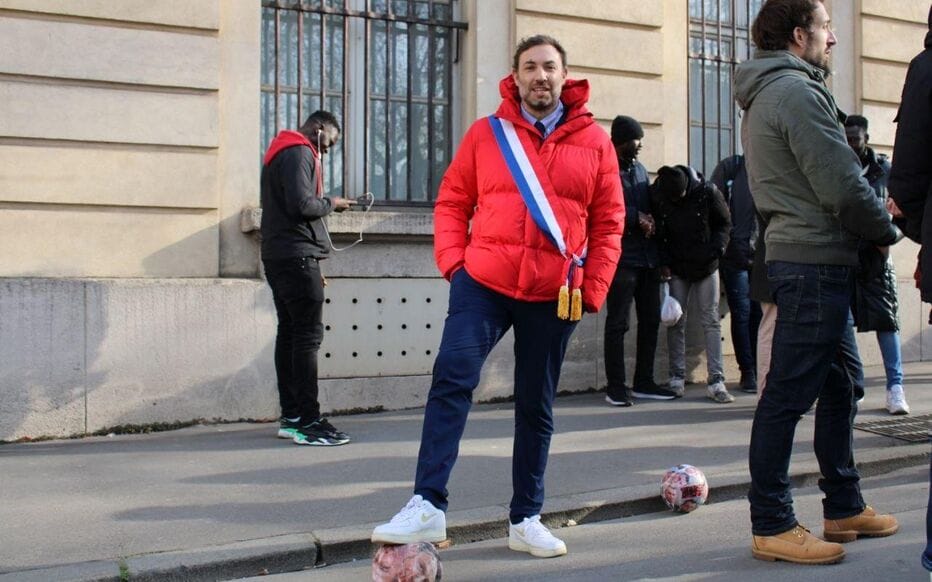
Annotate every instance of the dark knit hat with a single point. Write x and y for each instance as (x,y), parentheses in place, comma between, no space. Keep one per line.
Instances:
(671,182)
(626,128)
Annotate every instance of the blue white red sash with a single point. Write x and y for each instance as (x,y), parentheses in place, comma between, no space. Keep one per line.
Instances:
(517,159)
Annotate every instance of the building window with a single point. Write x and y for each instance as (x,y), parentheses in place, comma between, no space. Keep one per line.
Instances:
(719,39)
(387,69)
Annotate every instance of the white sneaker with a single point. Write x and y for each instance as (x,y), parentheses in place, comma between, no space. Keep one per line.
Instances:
(896,400)
(678,386)
(719,393)
(533,537)
(418,521)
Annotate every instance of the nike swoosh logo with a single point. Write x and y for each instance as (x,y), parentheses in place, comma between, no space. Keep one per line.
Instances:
(426,517)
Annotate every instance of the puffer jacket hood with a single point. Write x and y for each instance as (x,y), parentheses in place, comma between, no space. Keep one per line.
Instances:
(766,67)
(574,96)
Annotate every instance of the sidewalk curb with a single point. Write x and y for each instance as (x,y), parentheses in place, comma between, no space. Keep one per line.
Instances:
(295,552)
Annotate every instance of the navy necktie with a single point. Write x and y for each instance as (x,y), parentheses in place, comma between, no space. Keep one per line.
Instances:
(541,128)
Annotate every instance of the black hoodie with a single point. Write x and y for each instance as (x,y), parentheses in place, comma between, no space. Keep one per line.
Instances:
(692,231)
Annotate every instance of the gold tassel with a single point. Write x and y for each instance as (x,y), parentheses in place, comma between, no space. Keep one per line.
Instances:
(563,303)
(576,310)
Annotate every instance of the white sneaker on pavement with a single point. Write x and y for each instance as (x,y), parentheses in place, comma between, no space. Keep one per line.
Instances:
(719,393)
(418,521)
(533,537)
(896,400)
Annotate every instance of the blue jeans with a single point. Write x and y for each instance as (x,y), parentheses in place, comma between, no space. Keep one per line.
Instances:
(806,364)
(889,342)
(745,317)
(477,319)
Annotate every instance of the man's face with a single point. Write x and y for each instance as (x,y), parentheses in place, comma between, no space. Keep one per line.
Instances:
(628,150)
(819,40)
(327,137)
(540,77)
(857,139)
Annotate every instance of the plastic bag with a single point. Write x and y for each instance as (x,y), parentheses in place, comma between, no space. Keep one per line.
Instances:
(670,309)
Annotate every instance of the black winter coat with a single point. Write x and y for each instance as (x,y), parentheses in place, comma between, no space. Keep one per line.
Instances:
(692,231)
(875,294)
(911,177)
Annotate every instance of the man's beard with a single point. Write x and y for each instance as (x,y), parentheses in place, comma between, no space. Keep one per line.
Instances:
(542,103)
(820,60)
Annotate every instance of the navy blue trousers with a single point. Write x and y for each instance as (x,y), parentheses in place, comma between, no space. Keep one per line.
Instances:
(477,319)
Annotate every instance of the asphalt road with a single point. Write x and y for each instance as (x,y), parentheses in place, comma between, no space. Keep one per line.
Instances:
(710,544)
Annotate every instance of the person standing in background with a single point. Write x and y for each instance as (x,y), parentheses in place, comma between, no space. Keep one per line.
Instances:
(876,290)
(636,280)
(731,178)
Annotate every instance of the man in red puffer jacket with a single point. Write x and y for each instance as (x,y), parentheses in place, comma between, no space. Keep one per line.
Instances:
(527,229)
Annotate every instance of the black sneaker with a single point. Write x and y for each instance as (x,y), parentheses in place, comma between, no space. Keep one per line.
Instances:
(320,433)
(287,429)
(748,382)
(653,392)
(618,397)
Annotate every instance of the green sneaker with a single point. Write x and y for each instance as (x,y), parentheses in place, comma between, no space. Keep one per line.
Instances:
(320,433)
(288,429)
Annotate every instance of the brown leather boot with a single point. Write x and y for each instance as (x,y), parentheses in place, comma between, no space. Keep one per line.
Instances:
(867,523)
(796,545)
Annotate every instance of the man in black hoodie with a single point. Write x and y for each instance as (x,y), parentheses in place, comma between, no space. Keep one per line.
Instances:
(294,240)
(692,227)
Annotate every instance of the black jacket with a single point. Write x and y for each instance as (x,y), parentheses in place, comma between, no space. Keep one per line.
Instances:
(637,250)
(875,301)
(911,177)
(731,178)
(692,231)
(292,224)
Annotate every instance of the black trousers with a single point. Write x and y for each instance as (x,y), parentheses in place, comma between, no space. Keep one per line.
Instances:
(298,291)
(641,285)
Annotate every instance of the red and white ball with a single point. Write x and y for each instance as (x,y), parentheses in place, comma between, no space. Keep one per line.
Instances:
(684,488)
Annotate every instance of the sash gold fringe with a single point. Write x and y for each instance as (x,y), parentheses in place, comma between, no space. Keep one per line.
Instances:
(576,306)
(563,303)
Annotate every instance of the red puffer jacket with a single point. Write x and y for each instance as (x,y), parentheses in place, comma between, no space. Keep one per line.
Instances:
(481,221)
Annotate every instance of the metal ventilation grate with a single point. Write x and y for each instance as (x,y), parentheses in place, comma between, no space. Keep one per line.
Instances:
(914,429)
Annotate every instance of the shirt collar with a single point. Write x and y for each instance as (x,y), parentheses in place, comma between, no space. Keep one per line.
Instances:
(550,122)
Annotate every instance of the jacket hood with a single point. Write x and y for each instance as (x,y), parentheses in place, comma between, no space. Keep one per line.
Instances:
(286,139)
(766,67)
(574,96)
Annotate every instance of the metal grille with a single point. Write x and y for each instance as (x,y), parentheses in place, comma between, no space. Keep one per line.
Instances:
(719,39)
(914,429)
(385,69)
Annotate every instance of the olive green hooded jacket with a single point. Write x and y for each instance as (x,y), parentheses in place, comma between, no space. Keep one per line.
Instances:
(805,180)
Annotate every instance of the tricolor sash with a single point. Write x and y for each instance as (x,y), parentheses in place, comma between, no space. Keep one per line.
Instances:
(532,192)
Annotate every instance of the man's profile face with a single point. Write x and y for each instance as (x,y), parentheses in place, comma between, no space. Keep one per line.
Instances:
(327,138)
(857,139)
(628,150)
(540,77)
(820,38)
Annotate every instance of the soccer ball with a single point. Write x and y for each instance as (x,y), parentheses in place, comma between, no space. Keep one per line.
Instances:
(684,488)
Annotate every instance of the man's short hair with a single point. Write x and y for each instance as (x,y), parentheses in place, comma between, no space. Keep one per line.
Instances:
(773,28)
(323,118)
(537,40)
(856,121)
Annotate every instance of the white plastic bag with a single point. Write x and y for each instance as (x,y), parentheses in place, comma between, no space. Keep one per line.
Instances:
(670,309)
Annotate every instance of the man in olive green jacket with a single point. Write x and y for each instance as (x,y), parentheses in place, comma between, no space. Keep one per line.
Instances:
(806,183)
